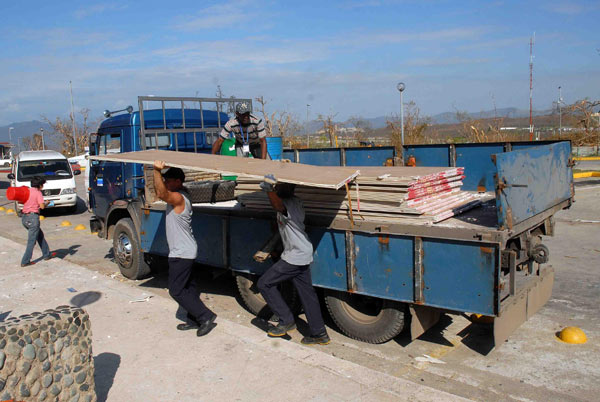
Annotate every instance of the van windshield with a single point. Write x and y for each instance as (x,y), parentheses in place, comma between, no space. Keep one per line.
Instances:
(49,170)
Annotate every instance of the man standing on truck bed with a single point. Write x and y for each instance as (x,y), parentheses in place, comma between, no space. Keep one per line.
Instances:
(249,133)
(183,248)
(294,264)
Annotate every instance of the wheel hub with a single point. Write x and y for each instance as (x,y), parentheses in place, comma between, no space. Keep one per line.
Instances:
(123,252)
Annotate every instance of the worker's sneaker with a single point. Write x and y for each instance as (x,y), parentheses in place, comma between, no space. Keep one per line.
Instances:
(321,339)
(281,329)
(188,325)
(51,255)
(206,326)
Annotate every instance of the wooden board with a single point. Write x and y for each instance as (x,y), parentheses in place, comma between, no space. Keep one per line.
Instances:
(295,173)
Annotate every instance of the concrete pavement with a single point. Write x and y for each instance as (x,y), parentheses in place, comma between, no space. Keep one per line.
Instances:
(140,356)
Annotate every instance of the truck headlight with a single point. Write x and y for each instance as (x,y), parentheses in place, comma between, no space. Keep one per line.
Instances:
(68,191)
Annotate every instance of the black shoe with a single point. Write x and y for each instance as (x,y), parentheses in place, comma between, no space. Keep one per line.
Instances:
(52,255)
(206,326)
(280,329)
(188,325)
(28,264)
(321,339)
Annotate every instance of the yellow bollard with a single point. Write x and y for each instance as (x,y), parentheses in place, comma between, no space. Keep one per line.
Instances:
(42,217)
(65,223)
(10,211)
(79,227)
(2,209)
(572,335)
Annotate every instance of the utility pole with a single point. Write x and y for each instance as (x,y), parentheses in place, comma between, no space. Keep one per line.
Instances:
(531,40)
(10,129)
(43,145)
(307,133)
(401,87)
(73,119)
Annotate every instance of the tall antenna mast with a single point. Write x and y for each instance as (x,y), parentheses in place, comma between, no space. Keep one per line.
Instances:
(531,41)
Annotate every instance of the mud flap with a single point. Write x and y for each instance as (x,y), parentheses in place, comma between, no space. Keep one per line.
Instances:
(421,319)
(524,304)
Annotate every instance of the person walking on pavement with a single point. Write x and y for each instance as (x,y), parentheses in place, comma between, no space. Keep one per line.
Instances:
(31,221)
(248,131)
(183,249)
(294,265)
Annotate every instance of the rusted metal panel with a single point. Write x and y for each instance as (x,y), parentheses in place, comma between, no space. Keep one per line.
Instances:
(530,181)
(419,269)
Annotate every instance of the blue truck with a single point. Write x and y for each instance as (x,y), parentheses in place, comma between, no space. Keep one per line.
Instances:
(376,278)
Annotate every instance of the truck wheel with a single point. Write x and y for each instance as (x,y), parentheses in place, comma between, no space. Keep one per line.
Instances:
(254,301)
(365,318)
(126,249)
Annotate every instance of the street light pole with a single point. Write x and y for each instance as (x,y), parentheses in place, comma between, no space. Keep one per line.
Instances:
(560,113)
(43,145)
(73,118)
(10,129)
(401,87)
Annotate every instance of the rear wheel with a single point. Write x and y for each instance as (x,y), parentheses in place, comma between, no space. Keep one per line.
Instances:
(255,303)
(365,318)
(126,249)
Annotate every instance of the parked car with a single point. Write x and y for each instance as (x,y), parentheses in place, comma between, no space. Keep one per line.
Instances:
(51,165)
(76,167)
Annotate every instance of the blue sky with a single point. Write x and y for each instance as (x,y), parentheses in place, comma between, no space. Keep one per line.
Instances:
(341,57)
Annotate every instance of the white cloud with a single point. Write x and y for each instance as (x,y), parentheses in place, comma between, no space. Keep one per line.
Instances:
(227,15)
(566,7)
(95,9)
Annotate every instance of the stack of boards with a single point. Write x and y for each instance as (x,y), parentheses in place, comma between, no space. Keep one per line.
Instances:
(389,194)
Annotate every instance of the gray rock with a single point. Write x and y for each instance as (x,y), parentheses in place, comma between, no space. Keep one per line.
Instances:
(42,355)
(12,331)
(2,343)
(77,369)
(80,378)
(2,358)
(13,350)
(2,384)
(47,380)
(46,366)
(62,333)
(73,391)
(2,329)
(57,377)
(39,343)
(84,387)
(6,396)
(43,395)
(27,339)
(13,380)
(87,398)
(35,334)
(55,390)
(24,368)
(75,398)
(68,380)
(58,345)
(25,390)
(29,352)
(14,338)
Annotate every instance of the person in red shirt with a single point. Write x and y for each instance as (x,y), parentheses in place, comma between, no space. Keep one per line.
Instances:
(31,221)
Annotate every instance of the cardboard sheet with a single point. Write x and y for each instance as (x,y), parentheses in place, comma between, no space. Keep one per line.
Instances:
(296,173)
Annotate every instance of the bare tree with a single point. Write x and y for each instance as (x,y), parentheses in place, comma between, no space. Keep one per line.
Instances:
(329,127)
(581,114)
(62,131)
(414,126)
(285,124)
(362,128)
(267,119)
(33,142)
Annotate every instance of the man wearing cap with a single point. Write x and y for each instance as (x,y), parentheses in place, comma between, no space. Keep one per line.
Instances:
(249,133)
(183,248)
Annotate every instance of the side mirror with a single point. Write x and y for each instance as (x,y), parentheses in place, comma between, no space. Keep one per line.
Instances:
(11,176)
(76,172)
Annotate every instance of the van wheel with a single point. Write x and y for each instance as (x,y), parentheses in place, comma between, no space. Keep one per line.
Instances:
(365,318)
(126,249)
(255,303)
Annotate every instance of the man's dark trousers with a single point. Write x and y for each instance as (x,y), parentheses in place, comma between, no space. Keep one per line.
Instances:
(183,288)
(282,271)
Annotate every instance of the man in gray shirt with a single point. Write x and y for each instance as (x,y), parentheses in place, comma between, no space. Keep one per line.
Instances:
(294,265)
(183,248)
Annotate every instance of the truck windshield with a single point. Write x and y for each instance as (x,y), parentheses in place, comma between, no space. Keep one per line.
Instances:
(48,169)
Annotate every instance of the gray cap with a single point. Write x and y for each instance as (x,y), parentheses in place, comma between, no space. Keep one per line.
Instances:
(242,108)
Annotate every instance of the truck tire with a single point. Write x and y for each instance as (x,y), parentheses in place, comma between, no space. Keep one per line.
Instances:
(365,318)
(126,249)
(254,301)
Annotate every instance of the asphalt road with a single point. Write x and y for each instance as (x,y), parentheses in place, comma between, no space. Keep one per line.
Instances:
(531,365)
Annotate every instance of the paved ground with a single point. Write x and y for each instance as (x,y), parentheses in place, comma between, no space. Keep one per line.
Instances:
(531,365)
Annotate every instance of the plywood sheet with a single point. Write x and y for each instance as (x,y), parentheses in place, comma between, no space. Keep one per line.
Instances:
(296,173)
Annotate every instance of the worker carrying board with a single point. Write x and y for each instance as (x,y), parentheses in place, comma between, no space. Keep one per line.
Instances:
(294,265)
(246,132)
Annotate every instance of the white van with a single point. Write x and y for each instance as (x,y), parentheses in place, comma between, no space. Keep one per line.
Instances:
(55,168)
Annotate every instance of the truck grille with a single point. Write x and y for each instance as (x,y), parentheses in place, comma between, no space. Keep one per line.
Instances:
(54,191)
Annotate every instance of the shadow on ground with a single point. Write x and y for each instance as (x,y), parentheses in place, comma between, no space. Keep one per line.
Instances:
(105,369)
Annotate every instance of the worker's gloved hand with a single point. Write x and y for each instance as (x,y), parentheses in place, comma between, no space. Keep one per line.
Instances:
(268,183)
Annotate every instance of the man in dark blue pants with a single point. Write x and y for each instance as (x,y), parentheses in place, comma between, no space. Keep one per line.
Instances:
(294,265)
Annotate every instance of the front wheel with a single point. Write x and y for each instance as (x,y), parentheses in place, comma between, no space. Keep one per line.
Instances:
(254,301)
(365,318)
(126,248)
